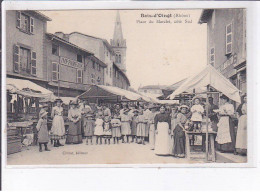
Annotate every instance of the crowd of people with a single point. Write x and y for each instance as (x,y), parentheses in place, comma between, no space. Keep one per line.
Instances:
(162,127)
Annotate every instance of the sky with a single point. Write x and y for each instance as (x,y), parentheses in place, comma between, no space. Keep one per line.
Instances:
(157,53)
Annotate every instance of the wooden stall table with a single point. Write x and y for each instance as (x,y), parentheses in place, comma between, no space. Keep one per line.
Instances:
(212,153)
(22,127)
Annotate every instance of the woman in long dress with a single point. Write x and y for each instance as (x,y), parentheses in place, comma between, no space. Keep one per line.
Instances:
(241,139)
(125,126)
(226,137)
(74,135)
(151,126)
(162,123)
(179,133)
(58,127)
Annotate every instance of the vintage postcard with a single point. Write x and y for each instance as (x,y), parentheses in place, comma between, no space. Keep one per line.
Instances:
(126,86)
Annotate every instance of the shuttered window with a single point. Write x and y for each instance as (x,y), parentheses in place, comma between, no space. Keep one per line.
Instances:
(93,79)
(18,19)
(24,22)
(55,71)
(212,56)
(33,63)
(31,25)
(229,38)
(16,58)
(79,76)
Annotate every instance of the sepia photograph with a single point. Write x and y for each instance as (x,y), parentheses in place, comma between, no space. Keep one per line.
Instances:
(126,86)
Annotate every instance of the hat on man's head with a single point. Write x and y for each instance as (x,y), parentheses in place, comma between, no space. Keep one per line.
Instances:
(135,110)
(43,113)
(58,100)
(184,106)
(224,97)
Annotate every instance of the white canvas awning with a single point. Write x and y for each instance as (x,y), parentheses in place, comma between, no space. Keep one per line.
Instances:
(27,88)
(109,93)
(209,76)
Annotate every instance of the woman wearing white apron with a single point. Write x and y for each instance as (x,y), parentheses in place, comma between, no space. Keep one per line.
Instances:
(151,126)
(226,137)
(162,123)
(241,140)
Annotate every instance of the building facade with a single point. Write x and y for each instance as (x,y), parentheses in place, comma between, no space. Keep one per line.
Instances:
(153,90)
(226,30)
(25,48)
(71,67)
(101,49)
(120,79)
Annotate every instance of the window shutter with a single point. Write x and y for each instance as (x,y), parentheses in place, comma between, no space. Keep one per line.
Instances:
(33,63)
(18,19)
(16,58)
(79,75)
(229,38)
(55,71)
(31,25)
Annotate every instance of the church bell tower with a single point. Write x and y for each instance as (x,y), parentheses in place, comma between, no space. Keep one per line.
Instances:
(119,44)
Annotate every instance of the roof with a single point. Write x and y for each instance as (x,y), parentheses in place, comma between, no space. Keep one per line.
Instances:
(209,76)
(205,14)
(26,88)
(123,73)
(39,15)
(109,93)
(97,60)
(68,43)
(104,40)
(153,87)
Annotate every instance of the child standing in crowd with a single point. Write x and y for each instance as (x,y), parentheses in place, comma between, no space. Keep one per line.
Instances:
(107,130)
(43,134)
(115,122)
(141,127)
(89,125)
(134,125)
(99,128)
(197,112)
(125,126)
(58,127)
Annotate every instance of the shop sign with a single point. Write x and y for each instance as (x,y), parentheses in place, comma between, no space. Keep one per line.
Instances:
(231,61)
(71,63)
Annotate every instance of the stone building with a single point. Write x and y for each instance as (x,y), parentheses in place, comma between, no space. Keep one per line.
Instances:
(113,55)
(226,30)
(71,68)
(153,90)
(101,49)
(25,48)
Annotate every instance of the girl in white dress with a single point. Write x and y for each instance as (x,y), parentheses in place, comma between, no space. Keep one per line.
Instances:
(197,112)
(58,127)
(98,132)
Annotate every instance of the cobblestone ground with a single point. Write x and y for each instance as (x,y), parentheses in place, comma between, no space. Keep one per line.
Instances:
(94,154)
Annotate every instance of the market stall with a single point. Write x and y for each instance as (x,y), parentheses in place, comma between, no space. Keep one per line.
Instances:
(23,104)
(210,82)
(101,93)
